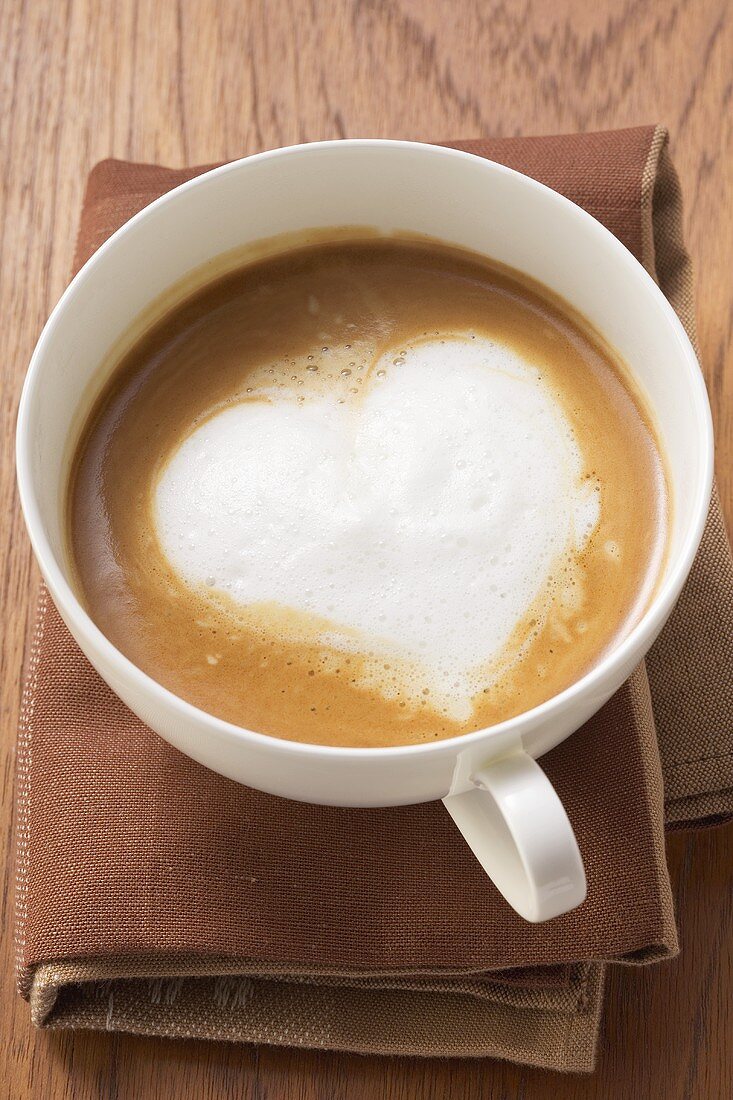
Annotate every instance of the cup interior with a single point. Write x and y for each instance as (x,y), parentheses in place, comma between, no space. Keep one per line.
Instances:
(391,186)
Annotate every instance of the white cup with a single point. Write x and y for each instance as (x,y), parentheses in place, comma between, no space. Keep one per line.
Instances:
(498,796)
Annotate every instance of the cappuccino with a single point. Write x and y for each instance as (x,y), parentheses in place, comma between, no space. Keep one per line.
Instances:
(367,493)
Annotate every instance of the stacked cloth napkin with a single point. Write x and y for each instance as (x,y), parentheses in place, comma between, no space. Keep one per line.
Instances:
(157,897)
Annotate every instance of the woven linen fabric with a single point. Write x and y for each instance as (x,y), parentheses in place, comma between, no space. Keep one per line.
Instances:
(157,897)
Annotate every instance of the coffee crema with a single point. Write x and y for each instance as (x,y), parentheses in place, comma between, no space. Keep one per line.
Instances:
(367,493)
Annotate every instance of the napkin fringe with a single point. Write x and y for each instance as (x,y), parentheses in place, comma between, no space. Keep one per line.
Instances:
(350,1014)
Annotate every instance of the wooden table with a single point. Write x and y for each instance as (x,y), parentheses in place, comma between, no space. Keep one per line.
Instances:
(200,81)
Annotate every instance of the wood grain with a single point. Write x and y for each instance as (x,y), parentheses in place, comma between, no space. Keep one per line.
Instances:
(199,81)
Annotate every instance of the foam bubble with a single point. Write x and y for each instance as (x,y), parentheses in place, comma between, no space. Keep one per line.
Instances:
(423,519)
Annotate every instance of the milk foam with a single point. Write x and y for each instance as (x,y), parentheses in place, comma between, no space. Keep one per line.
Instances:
(424,517)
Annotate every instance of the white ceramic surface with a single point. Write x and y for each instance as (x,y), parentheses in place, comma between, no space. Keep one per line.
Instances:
(494,791)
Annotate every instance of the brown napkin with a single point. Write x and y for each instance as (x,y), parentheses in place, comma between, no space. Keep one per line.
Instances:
(157,897)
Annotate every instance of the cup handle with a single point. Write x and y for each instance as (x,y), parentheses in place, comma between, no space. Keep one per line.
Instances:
(516,826)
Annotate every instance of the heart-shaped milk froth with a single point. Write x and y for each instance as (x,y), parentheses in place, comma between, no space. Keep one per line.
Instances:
(424,517)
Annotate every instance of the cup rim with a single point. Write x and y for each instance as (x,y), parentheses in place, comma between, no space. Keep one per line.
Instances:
(639,638)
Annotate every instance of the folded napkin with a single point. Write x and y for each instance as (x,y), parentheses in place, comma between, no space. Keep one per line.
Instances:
(156,897)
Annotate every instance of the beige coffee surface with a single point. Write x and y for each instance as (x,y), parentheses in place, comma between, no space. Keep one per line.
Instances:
(317,322)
